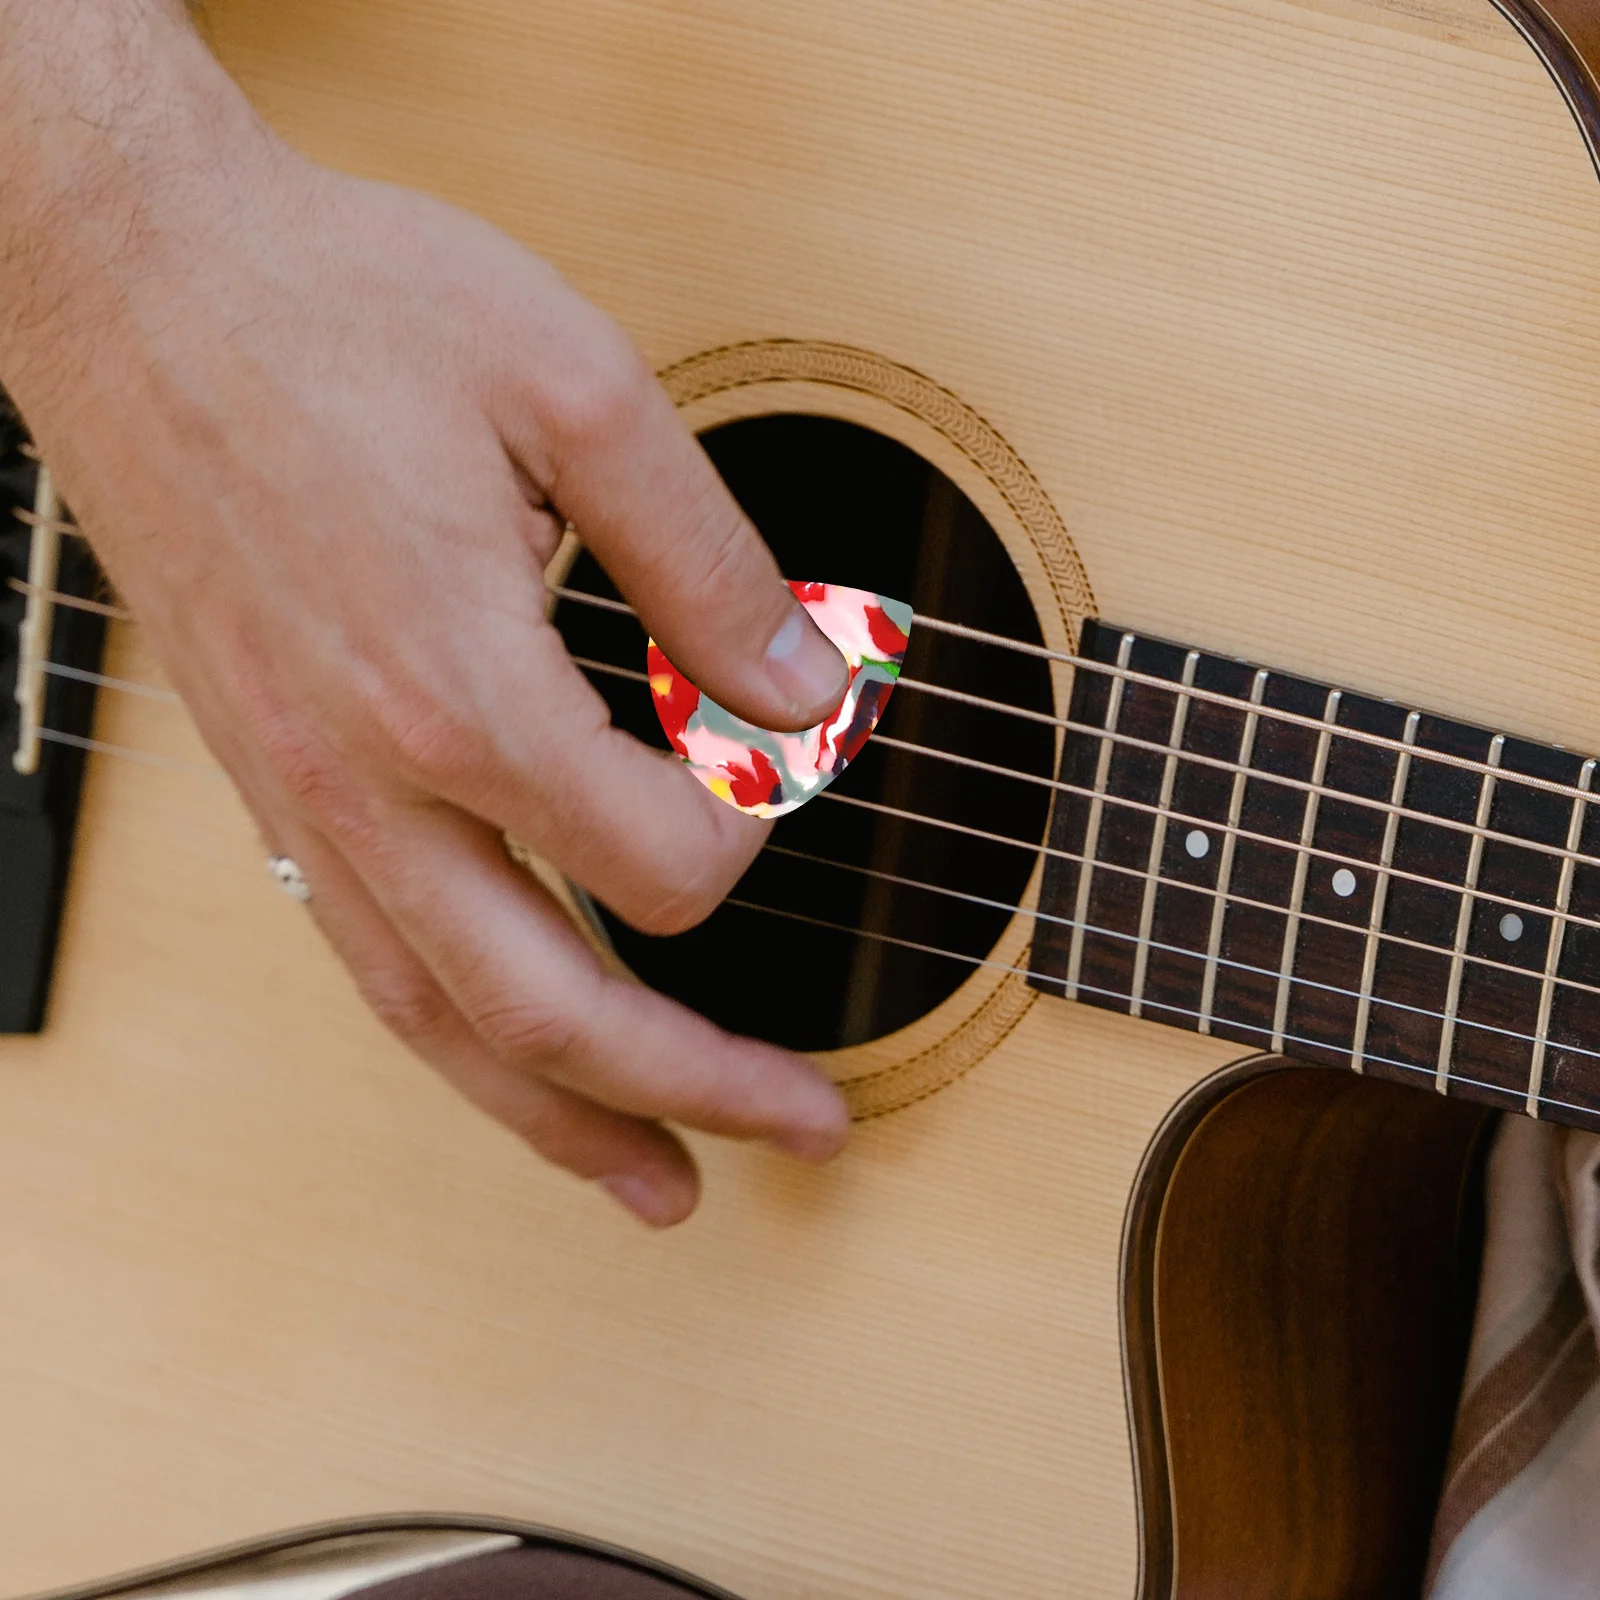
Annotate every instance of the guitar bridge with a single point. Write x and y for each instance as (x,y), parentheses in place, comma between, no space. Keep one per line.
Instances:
(41,713)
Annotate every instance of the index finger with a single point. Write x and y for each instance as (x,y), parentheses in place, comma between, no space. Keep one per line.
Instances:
(620,463)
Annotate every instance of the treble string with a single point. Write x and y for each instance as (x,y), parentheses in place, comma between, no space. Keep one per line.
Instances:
(151,758)
(1034,914)
(1430,1073)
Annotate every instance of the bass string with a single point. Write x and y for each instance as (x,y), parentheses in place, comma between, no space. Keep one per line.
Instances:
(932,752)
(1566,917)
(1430,1073)
(1036,915)
(1501,775)
(1116,736)
(1109,669)
(1237,830)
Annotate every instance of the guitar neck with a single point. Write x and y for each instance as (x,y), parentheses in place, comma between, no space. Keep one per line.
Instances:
(1314,872)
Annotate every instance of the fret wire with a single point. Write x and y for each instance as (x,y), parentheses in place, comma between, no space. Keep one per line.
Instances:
(1034,914)
(1380,893)
(1109,994)
(878,806)
(1553,944)
(1213,696)
(1231,828)
(1158,834)
(1091,831)
(1447,1033)
(1247,750)
(1302,865)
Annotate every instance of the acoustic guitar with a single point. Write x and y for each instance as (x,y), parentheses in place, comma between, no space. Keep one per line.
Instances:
(1219,381)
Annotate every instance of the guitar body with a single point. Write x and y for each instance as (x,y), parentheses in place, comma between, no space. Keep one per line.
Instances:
(1271,325)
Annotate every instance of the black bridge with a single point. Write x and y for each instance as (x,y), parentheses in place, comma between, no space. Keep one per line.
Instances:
(38,810)
(1230,856)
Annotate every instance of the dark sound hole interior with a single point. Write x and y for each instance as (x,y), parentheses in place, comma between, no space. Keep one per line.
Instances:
(841,504)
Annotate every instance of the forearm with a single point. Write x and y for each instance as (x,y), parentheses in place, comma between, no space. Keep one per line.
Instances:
(114,118)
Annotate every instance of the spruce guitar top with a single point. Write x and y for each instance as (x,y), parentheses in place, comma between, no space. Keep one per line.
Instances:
(1266,327)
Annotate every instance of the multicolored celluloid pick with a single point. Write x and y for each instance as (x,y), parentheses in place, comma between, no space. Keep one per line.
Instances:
(768,774)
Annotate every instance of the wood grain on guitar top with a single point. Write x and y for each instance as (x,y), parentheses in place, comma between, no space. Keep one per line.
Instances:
(1291,310)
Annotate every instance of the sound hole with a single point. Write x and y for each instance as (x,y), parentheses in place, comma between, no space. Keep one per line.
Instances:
(839,503)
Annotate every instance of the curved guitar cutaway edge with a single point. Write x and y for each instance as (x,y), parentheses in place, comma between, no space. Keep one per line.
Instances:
(1298,1276)
(422,1522)
(1141,1372)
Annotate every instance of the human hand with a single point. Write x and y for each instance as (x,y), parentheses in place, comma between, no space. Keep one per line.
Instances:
(325,435)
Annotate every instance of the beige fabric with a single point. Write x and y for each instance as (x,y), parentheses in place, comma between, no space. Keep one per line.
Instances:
(329,1568)
(1519,1518)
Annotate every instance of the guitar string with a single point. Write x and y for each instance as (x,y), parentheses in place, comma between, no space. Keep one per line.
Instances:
(1036,915)
(151,758)
(1571,918)
(1519,1096)
(1446,758)
(1196,758)
(1163,881)
(80,674)
(934,752)
(147,691)
(1193,692)
(74,602)
(1132,741)
(125,752)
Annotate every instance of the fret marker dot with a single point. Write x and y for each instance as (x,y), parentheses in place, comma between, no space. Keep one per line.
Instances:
(1511,927)
(1198,844)
(1344,883)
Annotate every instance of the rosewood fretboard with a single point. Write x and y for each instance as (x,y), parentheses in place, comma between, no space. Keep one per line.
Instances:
(1253,895)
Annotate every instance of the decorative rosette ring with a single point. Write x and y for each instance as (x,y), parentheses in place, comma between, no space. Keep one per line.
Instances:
(768,774)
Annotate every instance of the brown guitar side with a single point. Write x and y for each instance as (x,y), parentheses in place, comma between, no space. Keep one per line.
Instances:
(1300,1260)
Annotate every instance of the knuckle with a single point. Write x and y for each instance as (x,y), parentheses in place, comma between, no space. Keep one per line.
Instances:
(429,741)
(409,1006)
(677,908)
(598,392)
(722,576)
(528,1031)
(304,766)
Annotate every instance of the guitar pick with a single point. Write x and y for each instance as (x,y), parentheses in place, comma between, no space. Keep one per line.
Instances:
(768,774)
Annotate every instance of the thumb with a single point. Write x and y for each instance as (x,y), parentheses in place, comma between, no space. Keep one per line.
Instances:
(645,499)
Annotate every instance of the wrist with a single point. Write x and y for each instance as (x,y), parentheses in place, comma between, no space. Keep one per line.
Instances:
(127,143)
